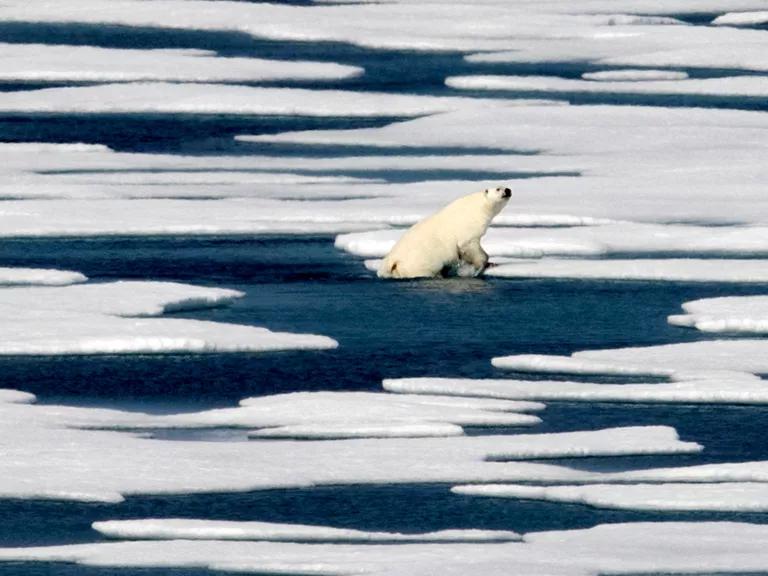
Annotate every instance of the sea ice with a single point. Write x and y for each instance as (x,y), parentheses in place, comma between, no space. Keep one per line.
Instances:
(746,314)
(721,390)
(647,46)
(684,361)
(40,442)
(38,277)
(749,86)
(112,318)
(722,497)
(169,98)
(629,548)
(423,26)
(177,528)
(667,157)
(634,75)
(669,270)
(364,414)
(747,18)
(174,216)
(47,63)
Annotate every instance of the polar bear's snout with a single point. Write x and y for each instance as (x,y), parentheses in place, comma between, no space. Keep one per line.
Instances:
(500,193)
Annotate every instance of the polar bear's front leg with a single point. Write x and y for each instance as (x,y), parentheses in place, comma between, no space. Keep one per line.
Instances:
(473,254)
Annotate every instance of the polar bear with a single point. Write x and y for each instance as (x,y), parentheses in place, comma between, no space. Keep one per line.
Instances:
(447,239)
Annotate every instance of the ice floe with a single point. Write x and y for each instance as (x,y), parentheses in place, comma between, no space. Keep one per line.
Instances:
(746,18)
(177,528)
(649,46)
(419,26)
(634,75)
(723,390)
(724,496)
(581,177)
(684,361)
(112,318)
(39,277)
(80,217)
(666,158)
(629,548)
(751,86)
(727,472)
(40,443)
(192,98)
(746,314)
(40,62)
(670,270)
(365,414)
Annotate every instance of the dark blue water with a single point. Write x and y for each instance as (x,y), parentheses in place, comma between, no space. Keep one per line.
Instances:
(385,329)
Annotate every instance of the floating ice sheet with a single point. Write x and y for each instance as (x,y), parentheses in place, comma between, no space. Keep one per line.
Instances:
(40,62)
(721,390)
(40,443)
(168,98)
(686,361)
(412,25)
(649,46)
(751,86)
(39,277)
(667,158)
(721,497)
(670,270)
(641,547)
(746,314)
(409,25)
(640,164)
(634,75)
(747,18)
(112,319)
(349,414)
(177,528)
(140,217)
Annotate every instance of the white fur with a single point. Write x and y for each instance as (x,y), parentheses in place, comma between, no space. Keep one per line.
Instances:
(448,239)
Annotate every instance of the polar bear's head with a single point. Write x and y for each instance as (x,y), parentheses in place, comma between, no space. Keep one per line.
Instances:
(497,198)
